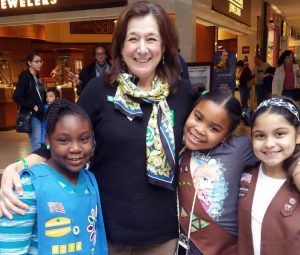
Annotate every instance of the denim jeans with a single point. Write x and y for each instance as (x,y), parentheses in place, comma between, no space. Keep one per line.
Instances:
(35,136)
(244,94)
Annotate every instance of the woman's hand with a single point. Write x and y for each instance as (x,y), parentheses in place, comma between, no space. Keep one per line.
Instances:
(36,108)
(8,201)
(11,180)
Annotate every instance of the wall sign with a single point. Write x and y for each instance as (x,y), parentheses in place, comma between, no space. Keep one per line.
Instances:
(93,27)
(236,9)
(23,7)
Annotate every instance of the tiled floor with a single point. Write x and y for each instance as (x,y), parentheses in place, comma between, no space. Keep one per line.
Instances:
(12,146)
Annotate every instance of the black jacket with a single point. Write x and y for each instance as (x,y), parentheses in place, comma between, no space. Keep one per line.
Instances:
(26,95)
(87,73)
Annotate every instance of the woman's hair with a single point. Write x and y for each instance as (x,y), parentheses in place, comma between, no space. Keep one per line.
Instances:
(30,57)
(283,55)
(290,114)
(224,97)
(61,108)
(240,63)
(169,69)
(54,91)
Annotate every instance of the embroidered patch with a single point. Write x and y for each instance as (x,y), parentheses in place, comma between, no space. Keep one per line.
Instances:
(56,207)
(92,219)
(183,213)
(243,190)
(246,177)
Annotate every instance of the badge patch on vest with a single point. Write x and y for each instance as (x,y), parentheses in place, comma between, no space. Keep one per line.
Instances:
(56,207)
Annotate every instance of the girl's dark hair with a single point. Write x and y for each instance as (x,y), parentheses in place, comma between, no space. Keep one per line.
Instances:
(54,91)
(225,98)
(61,108)
(30,57)
(285,54)
(290,163)
(167,70)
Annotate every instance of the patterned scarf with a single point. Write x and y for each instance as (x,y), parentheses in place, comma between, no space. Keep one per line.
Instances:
(160,146)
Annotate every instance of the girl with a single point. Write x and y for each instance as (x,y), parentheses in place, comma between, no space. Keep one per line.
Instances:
(210,169)
(53,224)
(269,212)
(30,95)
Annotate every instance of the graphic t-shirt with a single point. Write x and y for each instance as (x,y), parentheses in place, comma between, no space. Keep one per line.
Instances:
(216,178)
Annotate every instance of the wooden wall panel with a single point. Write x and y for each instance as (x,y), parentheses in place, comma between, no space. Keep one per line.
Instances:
(205,40)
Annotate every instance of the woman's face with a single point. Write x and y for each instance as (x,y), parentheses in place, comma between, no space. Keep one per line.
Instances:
(142,49)
(289,59)
(36,63)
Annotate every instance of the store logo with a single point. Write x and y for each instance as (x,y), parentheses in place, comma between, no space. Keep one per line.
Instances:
(236,6)
(13,4)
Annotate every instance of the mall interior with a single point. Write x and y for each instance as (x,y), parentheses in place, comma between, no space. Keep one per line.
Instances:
(64,33)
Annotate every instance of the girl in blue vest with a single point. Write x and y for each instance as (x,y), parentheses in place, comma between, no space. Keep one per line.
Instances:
(65,214)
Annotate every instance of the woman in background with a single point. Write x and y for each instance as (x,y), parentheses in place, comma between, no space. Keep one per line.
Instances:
(286,74)
(30,94)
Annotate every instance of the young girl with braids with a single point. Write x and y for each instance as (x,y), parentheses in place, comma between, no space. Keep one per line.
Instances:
(210,169)
(269,210)
(53,224)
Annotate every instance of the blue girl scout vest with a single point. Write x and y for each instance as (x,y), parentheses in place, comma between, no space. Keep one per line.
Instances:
(67,223)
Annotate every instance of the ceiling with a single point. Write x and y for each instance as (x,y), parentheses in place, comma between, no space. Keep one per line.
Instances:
(290,10)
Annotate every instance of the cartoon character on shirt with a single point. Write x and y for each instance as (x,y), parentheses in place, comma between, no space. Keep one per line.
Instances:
(210,184)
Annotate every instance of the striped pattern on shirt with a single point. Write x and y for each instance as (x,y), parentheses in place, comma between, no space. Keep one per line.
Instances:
(19,236)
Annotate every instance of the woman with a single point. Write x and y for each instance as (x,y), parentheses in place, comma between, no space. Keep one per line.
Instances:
(138,118)
(286,74)
(243,76)
(30,95)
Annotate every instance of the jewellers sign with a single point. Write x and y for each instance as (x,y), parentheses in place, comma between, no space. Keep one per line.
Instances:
(23,7)
(239,10)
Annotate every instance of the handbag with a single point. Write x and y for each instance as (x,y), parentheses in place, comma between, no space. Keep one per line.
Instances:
(23,122)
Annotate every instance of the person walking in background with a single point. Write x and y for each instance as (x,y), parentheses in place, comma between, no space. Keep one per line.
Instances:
(243,76)
(138,117)
(268,210)
(56,190)
(286,74)
(258,72)
(30,95)
(51,95)
(99,67)
(268,79)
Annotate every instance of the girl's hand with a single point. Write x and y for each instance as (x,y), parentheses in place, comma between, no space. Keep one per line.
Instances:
(35,108)
(8,201)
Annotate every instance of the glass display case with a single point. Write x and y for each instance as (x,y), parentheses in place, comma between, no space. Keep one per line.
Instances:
(67,60)
(5,73)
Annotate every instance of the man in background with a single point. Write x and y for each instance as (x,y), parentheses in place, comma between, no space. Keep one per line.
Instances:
(258,73)
(98,68)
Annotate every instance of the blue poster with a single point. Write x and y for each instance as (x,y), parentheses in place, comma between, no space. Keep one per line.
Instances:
(224,70)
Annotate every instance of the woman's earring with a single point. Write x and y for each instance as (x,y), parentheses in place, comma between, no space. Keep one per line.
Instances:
(48,146)
(123,66)
(163,59)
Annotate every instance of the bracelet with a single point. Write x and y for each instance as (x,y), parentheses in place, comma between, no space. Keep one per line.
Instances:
(25,164)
